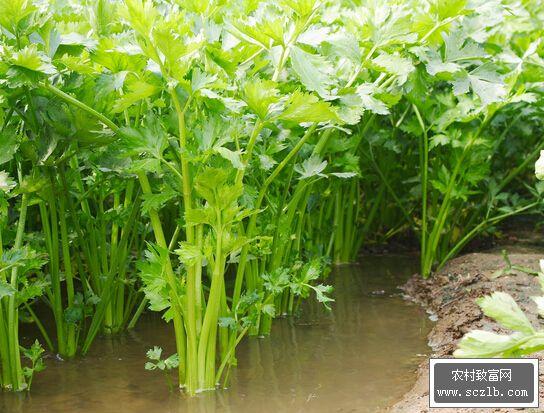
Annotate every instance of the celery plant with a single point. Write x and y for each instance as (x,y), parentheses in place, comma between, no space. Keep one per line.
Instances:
(20,283)
(209,160)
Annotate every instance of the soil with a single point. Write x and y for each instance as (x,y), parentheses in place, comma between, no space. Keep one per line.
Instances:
(449,297)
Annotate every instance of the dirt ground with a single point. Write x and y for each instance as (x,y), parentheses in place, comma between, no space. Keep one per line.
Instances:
(449,296)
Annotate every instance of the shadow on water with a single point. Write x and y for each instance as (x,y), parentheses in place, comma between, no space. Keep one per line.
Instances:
(359,358)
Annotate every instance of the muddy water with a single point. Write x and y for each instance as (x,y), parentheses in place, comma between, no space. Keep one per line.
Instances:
(359,358)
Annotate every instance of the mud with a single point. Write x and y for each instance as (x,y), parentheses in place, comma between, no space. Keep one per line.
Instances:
(449,297)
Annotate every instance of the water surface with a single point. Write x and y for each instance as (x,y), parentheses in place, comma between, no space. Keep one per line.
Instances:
(361,357)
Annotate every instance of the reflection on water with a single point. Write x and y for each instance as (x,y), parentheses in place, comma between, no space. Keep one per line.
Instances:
(359,358)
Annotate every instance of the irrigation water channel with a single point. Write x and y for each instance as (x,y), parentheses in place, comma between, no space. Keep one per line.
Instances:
(361,357)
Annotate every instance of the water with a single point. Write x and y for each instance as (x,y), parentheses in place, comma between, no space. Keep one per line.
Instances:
(359,358)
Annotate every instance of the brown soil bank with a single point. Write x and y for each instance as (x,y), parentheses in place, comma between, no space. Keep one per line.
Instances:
(450,294)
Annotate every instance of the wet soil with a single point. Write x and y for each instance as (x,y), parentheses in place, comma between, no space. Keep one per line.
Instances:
(449,297)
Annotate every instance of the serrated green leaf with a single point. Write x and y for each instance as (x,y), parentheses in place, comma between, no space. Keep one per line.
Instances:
(502,308)
(395,65)
(313,166)
(73,314)
(481,344)
(484,81)
(141,15)
(260,95)
(227,322)
(188,253)
(322,294)
(234,157)
(6,183)
(200,80)
(305,107)
(172,361)
(369,102)
(314,71)
(269,309)
(9,143)
(31,59)
(137,90)
(150,140)
(458,48)
(6,290)
(150,366)
(13,11)
(154,353)
(157,201)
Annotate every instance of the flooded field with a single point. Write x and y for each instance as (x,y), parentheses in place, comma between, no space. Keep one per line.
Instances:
(361,357)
